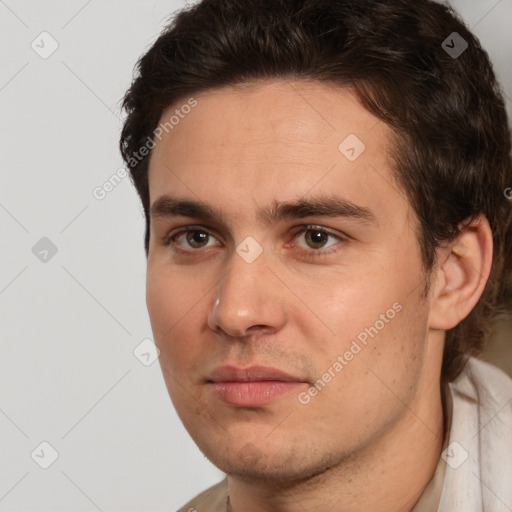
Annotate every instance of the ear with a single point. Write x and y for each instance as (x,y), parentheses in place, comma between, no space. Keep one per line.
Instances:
(462,270)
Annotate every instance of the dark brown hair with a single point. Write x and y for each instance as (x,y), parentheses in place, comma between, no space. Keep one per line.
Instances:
(452,150)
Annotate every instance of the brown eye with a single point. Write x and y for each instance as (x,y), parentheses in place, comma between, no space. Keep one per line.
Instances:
(313,237)
(316,238)
(193,237)
(197,239)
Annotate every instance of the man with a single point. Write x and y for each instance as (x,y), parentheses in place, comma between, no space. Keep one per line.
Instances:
(328,243)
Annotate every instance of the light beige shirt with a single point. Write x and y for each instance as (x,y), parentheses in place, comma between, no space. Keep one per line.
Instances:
(474,473)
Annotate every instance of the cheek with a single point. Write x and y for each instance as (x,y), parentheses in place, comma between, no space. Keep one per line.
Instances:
(351,301)
(377,318)
(173,304)
(173,308)
(369,383)
(172,293)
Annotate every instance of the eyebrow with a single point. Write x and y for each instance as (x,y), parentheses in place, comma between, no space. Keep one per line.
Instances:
(167,206)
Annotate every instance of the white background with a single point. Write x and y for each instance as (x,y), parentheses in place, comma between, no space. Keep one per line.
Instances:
(68,375)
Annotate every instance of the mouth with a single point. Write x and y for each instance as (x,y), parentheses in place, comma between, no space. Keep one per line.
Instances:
(253,386)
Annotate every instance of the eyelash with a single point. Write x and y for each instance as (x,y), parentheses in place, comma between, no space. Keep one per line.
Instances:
(311,253)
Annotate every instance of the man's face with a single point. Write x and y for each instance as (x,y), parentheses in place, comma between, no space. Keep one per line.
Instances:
(333,301)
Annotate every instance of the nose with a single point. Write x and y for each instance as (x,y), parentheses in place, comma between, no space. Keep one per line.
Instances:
(249,299)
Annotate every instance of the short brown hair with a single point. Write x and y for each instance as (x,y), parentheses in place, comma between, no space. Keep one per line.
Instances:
(452,140)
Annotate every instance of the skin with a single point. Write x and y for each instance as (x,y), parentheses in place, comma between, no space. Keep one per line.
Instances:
(372,437)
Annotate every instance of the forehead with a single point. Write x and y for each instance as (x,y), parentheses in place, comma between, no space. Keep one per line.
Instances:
(274,111)
(273,141)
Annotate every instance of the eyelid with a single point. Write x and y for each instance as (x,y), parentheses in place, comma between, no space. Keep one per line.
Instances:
(184,229)
(306,227)
(321,251)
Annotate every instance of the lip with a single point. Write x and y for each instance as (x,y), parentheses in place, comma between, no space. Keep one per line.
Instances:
(251,374)
(252,386)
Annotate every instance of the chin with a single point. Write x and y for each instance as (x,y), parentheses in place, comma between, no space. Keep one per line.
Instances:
(278,468)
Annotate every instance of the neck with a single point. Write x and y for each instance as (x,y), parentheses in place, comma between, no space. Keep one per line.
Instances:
(389,475)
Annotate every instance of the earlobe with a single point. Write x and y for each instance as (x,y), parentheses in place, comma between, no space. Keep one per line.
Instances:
(462,271)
